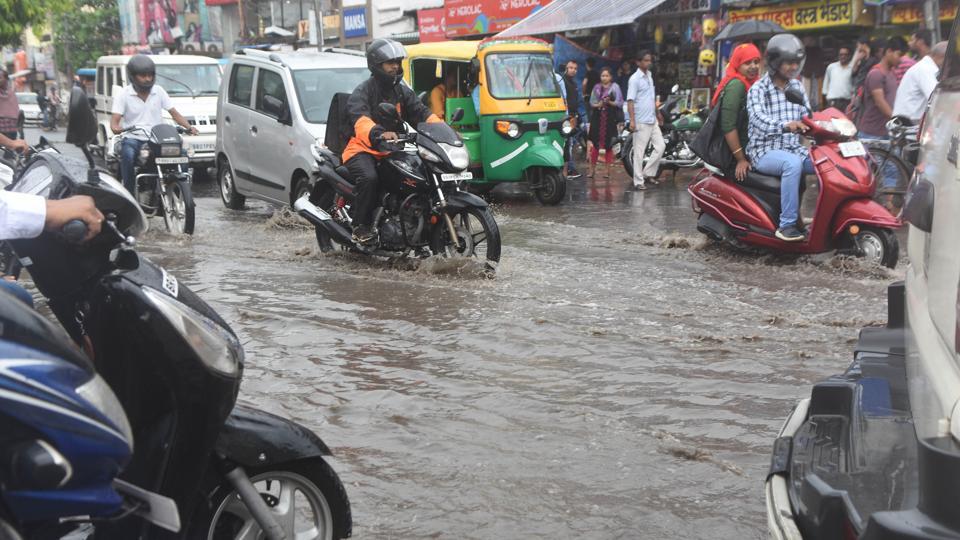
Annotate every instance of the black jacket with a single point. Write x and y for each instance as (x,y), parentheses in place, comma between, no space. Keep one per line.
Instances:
(368,122)
(573,96)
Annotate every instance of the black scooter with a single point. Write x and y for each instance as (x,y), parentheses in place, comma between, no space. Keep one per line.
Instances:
(175,366)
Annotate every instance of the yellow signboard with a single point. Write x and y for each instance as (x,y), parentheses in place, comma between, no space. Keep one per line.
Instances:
(913,13)
(803,15)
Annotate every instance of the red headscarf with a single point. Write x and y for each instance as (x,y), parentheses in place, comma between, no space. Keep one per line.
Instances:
(741,55)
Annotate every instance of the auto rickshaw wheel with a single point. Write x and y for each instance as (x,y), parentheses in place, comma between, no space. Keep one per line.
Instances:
(552,187)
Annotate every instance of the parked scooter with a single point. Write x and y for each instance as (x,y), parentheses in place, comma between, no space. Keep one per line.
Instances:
(64,437)
(175,367)
(846,218)
(422,212)
(163,175)
(679,128)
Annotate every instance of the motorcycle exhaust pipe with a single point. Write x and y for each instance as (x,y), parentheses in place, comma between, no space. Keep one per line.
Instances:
(319,218)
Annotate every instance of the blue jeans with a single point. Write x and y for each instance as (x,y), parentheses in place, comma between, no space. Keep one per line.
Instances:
(790,168)
(128,158)
(17,290)
(889,171)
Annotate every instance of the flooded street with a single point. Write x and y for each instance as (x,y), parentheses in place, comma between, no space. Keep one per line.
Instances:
(620,378)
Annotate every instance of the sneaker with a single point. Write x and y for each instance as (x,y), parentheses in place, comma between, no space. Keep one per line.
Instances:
(790,234)
(574,175)
(639,187)
(801,226)
(363,234)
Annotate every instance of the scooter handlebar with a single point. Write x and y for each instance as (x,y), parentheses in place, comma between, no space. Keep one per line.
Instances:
(74,231)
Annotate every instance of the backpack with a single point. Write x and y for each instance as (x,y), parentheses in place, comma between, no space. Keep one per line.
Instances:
(856,107)
(339,130)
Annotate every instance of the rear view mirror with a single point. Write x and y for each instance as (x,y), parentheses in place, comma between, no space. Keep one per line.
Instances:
(457,115)
(918,209)
(794,96)
(276,107)
(674,89)
(81,124)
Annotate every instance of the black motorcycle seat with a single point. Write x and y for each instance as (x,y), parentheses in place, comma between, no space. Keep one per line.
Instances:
(762,182)
(344,173)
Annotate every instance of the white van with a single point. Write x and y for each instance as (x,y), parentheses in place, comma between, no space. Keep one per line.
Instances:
(193,83)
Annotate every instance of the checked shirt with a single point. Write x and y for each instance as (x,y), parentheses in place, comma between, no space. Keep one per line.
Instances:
(769,112)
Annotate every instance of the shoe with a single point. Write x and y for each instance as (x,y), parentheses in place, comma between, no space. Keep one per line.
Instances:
(639,187)
(801,226)
(653,180)
(574,175)
(363,234)
(790,234)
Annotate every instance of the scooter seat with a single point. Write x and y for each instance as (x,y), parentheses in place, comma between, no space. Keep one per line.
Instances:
(762,182)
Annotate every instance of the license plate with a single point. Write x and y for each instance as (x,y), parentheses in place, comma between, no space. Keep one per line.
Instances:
(852,149)
(171,160)
(203,147)
(456,177)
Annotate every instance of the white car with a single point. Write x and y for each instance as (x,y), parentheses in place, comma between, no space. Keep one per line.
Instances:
(32,115)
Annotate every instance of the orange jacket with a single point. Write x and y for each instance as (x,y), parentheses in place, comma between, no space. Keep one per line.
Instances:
(367,121)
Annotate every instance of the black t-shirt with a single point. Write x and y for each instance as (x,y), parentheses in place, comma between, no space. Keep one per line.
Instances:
(573,96)
(593,77)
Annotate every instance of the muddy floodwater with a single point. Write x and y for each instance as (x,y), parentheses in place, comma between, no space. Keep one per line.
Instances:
(621,377)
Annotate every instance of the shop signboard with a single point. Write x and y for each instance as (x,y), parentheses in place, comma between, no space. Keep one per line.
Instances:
(686,7)
(431,25)
(468,17)
(913,13)
(802,15)
(355,22)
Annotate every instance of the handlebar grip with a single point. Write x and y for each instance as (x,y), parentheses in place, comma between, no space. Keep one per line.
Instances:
(74,231)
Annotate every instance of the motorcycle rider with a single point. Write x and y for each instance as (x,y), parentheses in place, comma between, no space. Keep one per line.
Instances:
(774,145)
(140,104)
(367,123)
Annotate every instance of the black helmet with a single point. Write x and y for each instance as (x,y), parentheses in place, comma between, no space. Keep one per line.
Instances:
(784,48)
(384,50)
(140,64)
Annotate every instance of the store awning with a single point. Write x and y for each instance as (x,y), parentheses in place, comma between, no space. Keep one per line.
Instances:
(564,15)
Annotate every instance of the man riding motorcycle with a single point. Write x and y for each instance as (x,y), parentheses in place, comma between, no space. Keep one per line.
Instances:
(367,122)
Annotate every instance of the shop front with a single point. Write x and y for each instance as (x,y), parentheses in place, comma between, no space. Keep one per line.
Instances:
(678,35)
(910,15)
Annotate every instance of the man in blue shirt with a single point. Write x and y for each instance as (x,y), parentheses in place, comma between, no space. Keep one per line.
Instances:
(775,124)
(644,117)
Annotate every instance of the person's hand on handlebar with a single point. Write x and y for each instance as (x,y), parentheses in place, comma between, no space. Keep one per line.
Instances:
(389,136)
(81,207)
(796,127)
(19,145)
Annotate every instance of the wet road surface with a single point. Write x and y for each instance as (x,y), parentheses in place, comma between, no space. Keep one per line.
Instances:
(620,378)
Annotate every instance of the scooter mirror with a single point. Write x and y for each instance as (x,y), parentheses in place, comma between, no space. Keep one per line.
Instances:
(457,115)
(674,89)
(796,97)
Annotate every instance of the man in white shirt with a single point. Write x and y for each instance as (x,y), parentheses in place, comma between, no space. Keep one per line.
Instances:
(644,117)
(918,83)
(838,81)
(140,104)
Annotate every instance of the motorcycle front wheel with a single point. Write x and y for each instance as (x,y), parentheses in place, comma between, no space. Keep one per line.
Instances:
(306,498)
(477,236)
(179,213)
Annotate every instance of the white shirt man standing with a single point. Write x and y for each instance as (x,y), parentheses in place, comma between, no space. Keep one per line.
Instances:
(838,81)
(643,114)
(918,83)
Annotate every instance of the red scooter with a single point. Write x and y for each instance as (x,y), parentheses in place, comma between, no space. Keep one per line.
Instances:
(846,218)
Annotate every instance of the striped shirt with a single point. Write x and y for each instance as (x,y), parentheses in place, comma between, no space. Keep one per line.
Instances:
(769,113)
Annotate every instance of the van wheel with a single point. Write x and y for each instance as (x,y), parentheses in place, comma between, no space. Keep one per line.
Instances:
(879,245)
(228,188)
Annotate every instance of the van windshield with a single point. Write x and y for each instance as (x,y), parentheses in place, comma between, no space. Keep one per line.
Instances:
(521,75)
(187,79)
(316,87)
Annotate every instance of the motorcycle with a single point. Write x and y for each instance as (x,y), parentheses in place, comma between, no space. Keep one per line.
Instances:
(64,437)
(846,218)
(679,128)
(168,191)
(175,367)
(423,209)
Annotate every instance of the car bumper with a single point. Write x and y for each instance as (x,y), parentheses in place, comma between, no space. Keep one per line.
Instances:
(203,145)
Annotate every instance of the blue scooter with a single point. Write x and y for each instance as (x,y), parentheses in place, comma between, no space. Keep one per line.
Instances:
(64,438)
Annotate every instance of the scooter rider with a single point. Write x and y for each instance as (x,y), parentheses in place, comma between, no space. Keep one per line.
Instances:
(140,104)
(367,123)
(775,123)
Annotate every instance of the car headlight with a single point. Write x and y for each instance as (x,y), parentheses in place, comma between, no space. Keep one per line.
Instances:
(215,346)
(99,394)
(509,129)
(190,151)
(428,155)
(170,150)
(459,157)
(567,127)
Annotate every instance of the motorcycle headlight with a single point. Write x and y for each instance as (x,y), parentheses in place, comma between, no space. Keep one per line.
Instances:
(428,155)
(170,150)
(827,126)
(144,153)
(98,393)
(215,346)
(567,127)
(459,156)
(844,127)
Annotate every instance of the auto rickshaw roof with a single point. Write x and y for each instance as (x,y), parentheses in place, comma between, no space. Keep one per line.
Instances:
(522,43)
(452,50)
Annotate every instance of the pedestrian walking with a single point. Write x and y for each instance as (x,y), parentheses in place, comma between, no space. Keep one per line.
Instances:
(918,83)
(863,60)
(644,118)
(879,94)
(9,107)
(838,80)
(605,102)
(573,112)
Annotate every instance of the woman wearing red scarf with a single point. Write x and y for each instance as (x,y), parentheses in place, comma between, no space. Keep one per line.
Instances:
(742,71)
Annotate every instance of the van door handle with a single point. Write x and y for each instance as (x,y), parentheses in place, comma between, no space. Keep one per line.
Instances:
(253,129)
(227,119)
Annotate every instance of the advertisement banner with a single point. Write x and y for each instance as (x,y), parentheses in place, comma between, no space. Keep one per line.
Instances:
(432,25)
(913,13)
(801,16)
(355,22)
(468,17)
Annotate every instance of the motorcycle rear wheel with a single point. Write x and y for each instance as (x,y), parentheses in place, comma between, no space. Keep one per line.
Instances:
(179,213)
(306,498)
(476,230)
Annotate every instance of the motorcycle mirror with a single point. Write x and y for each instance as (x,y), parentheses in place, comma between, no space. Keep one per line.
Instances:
(796,97)
(81,124)
(457,115)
